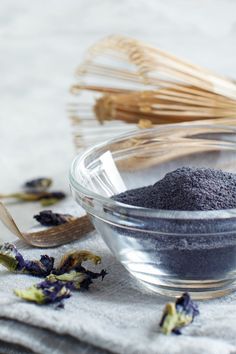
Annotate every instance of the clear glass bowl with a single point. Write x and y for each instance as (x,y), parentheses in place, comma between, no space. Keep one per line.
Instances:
(168,251)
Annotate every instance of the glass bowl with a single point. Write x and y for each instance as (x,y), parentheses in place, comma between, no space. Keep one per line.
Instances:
(168,251)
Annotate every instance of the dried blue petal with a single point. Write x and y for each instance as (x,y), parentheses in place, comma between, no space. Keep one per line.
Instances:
(57,195)
(45,292)
(185,304)
(94,275)
(178,315)
(40,268)
(39,184)
(90,276)
(11,258)
(55,291)
(48,218)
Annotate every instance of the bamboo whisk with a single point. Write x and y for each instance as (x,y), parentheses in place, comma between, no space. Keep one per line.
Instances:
(125,84)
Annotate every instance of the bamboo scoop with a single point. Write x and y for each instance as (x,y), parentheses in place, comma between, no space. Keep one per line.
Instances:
(51,237)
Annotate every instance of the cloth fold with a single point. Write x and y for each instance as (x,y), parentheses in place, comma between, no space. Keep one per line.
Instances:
(115,316)
(21,338)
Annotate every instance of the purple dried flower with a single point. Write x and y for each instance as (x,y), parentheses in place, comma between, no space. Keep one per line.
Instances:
(48,218)
(45,292)
(56,195)
(178,315)
(52,198)
(40,268)
(73,279)
(90,276)
(38,184)
(13,260)
(69,275)
(72,262)
(74,259)
(186,305)
(78,279)
(55,291)
(71,270)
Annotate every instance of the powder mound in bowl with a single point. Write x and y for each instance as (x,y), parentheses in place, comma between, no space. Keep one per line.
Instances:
(187,188)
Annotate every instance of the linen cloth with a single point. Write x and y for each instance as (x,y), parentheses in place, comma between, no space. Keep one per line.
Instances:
(116,315)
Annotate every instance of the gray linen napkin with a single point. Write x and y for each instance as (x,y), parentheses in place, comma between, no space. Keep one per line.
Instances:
(116,315)
(39,340)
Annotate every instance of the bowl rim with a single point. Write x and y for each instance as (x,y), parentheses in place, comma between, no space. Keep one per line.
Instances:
(135,211)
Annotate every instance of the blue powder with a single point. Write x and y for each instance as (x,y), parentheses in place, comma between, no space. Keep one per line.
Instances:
(186,188)
(188,248)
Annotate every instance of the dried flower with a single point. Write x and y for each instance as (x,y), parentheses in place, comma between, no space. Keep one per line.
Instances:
(46,198)
(45,292)
(48,218)
(12,259)
(52,198)
(36,190)
(78,280)
(185,303)
(38,184)
(73,278)
(178,315)
(70,266)
(90,276)
(40,268)
(73,260)
(69,275)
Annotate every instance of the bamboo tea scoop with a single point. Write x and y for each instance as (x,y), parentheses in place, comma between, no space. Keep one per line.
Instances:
(51,237)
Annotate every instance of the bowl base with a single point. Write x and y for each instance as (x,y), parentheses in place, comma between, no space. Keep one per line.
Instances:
(199,290)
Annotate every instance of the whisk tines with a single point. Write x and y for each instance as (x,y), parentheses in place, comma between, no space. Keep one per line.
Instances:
(123,81)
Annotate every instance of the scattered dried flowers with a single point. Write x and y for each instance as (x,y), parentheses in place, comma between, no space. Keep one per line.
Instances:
(36,190)
(179,314)
(60,280)
(48,218)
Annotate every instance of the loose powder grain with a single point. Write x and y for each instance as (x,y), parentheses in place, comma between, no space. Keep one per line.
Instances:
(186,188)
